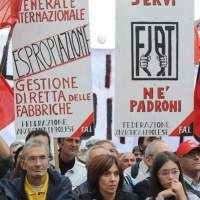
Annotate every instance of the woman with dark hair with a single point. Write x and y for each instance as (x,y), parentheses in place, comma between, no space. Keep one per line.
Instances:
(18,155)
(17,173)
(167,179)
(105,177)
(17,168)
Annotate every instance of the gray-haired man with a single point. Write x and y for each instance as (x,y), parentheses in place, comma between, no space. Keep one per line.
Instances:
(39,182)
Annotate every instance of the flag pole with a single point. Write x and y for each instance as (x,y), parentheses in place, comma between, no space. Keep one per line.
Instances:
(56,155)
(6,47)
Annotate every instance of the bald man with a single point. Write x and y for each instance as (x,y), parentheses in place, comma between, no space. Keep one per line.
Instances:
(127,159)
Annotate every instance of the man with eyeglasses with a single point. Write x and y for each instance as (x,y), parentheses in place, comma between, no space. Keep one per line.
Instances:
(39,182)
(188,153)
(140,171)
(14,146)
(44,137)
(110,146)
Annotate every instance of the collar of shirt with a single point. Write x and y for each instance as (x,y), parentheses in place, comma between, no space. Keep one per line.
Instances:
(31,193)
(191,182)
(144,167)
(73,169)
(188,179)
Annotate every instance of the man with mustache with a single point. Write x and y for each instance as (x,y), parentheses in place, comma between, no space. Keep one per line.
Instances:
(188,153)
(127,159)
(68,163)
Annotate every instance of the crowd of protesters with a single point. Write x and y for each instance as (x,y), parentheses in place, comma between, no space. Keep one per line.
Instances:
(96,171)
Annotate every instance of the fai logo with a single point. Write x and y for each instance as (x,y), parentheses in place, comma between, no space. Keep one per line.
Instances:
(154,48)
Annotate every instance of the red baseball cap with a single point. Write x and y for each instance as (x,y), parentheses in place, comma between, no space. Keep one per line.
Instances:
(186,147)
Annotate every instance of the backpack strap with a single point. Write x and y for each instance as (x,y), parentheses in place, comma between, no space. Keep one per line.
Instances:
(128,181)
(188,186)
(134,170)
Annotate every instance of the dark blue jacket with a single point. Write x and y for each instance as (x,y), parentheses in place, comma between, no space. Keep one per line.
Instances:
(59,187)
(5,179)
(5,193)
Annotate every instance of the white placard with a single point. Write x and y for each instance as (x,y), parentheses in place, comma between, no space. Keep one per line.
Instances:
(154,67)
(52,68)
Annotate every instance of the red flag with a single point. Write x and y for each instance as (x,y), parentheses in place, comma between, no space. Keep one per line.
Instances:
(197,86)
(6,103)
(197,106)
(196,44)
(9,10)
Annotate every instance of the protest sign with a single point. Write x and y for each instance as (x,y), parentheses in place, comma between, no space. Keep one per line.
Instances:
(52,68)
(154,67)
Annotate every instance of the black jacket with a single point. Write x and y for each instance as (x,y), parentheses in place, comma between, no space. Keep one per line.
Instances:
(119,196)
(59,187)
(142,188)
(85,188)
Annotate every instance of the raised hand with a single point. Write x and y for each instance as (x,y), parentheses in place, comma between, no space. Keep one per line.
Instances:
(162,63)
(144,60)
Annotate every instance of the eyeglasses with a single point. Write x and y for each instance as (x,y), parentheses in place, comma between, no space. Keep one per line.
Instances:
(152,155)
(167,173)
(191,154)
(33,159)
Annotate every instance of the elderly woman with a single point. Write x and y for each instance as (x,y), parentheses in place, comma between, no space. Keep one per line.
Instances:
(105,177)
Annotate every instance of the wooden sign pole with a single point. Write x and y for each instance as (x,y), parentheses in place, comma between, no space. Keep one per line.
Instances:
(55,141)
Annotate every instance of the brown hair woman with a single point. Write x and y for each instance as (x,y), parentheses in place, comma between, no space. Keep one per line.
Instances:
(105,177)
